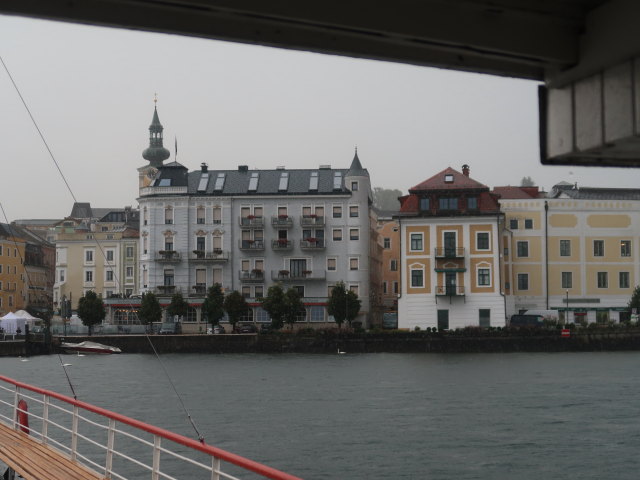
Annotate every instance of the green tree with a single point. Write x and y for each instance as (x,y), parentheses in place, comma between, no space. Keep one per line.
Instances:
(635,300)
(386,199)
(293,307)
(44,313)
(91,309)
(353,306)
(337,304)
(213,305)
(274,305)
(236,307)
(150,310)
(527,182)
(343,304)
(178,306)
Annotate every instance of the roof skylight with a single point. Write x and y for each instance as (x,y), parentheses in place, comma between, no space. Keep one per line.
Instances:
(219,182)
(204,180)
(313,181)
(284,181)
(253,182)
(337,180)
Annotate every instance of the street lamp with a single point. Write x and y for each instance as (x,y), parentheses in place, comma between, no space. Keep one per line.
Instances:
(566,311)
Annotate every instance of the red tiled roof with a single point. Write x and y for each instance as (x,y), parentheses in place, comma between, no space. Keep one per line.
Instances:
(460,182)
(409,203)
(516,192)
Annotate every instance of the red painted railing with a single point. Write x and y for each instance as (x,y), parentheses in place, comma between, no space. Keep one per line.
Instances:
(216,453)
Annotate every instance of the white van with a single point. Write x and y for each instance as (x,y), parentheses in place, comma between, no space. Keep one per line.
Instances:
(547,314)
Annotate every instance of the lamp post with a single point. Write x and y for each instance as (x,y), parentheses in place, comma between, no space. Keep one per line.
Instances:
(566,310)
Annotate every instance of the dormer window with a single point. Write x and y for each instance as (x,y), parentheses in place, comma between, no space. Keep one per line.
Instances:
(472,203)
(448,178)
(424,203)
(448,203)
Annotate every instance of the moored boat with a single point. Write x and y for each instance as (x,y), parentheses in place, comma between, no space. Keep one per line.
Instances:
(88,347)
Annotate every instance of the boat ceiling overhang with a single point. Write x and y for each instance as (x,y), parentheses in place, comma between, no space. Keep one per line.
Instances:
(572,46)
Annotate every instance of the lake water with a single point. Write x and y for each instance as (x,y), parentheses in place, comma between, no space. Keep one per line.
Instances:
(382,416)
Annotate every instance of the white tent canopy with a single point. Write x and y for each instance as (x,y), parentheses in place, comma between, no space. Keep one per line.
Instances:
(10,323)
(26,315)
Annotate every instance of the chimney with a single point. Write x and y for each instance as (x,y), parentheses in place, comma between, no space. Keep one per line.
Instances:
(204,167)
(465,170)
(243,168)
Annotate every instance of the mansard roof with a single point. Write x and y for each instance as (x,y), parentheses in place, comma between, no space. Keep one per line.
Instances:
(269,182)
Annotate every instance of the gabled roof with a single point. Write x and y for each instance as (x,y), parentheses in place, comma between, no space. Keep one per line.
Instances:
(437,182)
(517,192)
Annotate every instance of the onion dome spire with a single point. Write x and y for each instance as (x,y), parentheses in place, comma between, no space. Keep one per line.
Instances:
(156,153)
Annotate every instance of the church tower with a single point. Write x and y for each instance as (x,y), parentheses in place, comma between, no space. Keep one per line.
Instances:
(155,153)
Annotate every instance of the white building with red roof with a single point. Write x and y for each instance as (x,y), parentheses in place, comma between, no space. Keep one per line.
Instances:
(451,228)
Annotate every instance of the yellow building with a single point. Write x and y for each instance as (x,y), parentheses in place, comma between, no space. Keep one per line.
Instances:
(573,250)
(12,276)
(97,254)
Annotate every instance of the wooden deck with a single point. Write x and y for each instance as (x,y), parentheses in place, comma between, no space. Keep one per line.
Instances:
(35,461)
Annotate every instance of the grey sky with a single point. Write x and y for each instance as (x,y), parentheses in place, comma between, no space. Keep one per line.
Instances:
(91,90)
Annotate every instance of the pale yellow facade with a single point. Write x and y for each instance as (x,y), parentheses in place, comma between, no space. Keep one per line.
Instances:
(583,255)
(12,277)
(104,262)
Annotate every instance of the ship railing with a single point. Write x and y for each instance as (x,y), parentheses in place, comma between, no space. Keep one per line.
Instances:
(114,445)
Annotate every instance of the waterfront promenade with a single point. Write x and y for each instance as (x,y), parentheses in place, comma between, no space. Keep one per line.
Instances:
(471,340)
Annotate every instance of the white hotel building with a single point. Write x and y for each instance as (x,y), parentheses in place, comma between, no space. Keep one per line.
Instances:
(248,229)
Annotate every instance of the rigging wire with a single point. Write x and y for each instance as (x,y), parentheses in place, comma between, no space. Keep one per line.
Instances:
(109,264)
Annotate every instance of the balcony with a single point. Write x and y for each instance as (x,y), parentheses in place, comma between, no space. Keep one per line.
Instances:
(291,276)
(281,244)
(312,244)
(201,256)
(168,256)
(252,222)
(166,290)
(450,290)
(253,276)
(312,221)
(449,252)
(251,245)
(282,221)
(198,290)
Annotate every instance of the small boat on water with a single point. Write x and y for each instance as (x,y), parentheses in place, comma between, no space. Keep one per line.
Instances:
(88,347)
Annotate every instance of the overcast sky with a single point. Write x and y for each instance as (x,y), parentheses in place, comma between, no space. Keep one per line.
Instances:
(91,91)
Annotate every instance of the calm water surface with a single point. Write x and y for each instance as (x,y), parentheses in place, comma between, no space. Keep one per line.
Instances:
(380,416)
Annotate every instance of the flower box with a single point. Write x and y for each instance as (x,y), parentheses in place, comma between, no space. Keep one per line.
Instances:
(283,217)
(283,273)
(251,217)
(306,272)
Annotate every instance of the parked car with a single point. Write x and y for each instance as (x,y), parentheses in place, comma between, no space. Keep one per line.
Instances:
(216,330)
(246,328)
(266,328)
(526,321)
(169,329)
